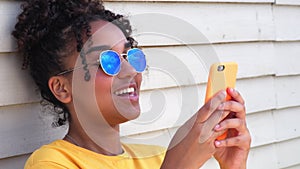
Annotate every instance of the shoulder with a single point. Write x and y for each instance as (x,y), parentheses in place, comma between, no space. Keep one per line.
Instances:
(53,155)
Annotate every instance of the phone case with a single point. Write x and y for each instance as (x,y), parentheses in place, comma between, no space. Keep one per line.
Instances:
(221,76)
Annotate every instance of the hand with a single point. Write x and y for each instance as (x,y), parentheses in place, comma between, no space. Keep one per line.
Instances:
(193,143)
(232,152)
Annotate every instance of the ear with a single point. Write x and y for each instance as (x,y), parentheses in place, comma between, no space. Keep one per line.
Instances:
(60,88)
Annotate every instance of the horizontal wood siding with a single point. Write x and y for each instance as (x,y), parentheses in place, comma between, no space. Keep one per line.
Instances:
(8,13)
(15,80)
(185,1)
(16,162)
(262,36)
(25,127)
(217,22)
(287,2)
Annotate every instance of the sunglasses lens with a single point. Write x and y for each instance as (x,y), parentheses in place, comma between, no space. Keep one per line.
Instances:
(110,62)
(137,59)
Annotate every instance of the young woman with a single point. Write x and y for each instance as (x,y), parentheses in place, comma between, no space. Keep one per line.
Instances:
(87,66)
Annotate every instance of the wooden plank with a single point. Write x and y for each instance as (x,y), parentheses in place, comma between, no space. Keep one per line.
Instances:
(287,123)
(287,22)
(190,64)
(25,128)
(287,91)
(287,2)
(288,153)
(8,13)
(254,59)
(258,98)
(18,81)
(217,22)
(261,126)
(185,1)
(163,109)
(171,107)
(17,162)
(173,23)
(188,67)
(287,58)
(286,25)
(17,86)
(293,167)
(263,157)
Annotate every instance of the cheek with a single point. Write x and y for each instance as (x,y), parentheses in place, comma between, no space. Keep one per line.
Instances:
(139,77)
(138,80)
(103,83)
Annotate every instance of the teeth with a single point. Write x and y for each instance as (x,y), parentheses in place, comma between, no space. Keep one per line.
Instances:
(125,91)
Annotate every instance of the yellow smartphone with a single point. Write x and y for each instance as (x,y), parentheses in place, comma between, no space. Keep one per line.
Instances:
(221,76)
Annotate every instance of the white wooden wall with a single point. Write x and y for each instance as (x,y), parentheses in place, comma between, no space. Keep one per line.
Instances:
(263,36)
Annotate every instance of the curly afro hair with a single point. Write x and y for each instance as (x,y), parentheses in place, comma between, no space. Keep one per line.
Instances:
(46,31)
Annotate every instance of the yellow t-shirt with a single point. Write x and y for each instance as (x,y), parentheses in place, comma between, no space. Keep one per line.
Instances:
(63,155)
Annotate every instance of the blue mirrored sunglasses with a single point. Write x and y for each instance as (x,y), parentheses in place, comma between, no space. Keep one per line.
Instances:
(110,61)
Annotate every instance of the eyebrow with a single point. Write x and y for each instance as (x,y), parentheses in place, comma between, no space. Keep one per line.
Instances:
(127,45)
(105,47)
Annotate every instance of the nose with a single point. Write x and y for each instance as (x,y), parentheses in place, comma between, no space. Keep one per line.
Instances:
(127,71)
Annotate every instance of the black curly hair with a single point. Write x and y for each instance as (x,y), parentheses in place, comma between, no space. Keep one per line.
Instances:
(46,31)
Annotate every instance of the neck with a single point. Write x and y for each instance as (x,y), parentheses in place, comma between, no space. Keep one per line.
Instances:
(103,139)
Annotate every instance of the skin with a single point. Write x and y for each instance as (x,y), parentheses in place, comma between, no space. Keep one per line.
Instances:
(231,153)
(76,94)
(87,100)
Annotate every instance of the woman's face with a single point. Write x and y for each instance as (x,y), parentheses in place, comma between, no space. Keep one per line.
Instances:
(112,94)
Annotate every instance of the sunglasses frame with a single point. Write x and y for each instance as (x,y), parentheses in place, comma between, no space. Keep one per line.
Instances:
(99,62)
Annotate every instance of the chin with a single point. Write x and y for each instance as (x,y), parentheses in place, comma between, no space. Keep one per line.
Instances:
(127,108)
(131,114)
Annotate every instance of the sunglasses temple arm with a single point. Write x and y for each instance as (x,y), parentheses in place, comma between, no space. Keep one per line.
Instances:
(69,70)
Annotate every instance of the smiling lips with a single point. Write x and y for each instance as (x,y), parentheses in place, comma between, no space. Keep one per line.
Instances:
(128,93)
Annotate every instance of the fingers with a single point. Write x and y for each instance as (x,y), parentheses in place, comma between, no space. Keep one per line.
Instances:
(236,123)
(241,137)
(241,141)
(233,106)
(215,110)
(237,104)
(207,110)
(209,125)
(235,95)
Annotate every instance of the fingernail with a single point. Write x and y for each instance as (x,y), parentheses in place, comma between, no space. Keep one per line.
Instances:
(221,106)
(217,143)
(229,89)
(224,93)
(217,126)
